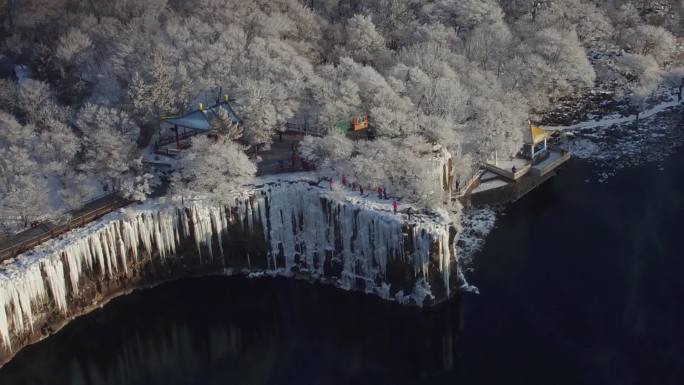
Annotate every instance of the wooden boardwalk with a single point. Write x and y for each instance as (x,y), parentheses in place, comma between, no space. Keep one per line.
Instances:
(26,240)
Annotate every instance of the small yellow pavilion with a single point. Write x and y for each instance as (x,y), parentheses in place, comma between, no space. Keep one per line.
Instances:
(537,135)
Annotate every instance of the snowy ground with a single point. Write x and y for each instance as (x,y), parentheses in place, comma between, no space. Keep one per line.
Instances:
(369,199)
(476,223)
(614,143)
(617,119)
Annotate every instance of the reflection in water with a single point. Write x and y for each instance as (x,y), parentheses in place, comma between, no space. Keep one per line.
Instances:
(213,330)
(580,284)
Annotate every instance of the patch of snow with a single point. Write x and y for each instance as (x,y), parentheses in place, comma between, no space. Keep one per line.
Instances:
(616,143)
(22,72)
(476,223)
(617,119)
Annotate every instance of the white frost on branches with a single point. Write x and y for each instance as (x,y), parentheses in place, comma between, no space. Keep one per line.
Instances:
(215,168)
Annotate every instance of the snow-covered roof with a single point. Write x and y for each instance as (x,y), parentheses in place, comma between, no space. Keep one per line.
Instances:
(200,119)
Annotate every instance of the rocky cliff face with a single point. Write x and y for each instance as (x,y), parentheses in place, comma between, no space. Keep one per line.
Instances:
(281,228)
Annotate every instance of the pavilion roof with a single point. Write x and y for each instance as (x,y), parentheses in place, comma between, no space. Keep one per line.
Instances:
(536,134)
(200,120)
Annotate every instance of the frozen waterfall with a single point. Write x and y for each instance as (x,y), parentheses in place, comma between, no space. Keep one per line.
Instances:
(303,229)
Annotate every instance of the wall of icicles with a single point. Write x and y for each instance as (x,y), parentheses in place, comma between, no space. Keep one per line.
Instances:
(283,228)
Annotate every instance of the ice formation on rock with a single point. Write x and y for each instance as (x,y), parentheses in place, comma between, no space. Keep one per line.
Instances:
(302,226)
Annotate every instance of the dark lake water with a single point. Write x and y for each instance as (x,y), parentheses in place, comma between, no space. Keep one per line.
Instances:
(581,283)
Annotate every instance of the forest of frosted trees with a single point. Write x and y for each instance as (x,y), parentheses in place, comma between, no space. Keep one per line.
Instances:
(84,83)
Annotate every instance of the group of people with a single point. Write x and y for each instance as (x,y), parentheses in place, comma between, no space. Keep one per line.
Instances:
(381,190)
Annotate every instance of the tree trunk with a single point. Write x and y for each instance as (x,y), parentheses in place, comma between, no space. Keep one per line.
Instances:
(93,8)
(11,8)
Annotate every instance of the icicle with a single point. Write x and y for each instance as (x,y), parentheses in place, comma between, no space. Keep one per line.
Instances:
(107,252)
(54,271)
(18,293)
(297,218)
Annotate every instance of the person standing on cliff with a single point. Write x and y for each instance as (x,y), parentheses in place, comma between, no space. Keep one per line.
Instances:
(330,182)
(361,190)
(379,192)
(394,206)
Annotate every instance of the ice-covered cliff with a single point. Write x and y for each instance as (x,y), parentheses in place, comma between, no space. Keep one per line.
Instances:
(279,228)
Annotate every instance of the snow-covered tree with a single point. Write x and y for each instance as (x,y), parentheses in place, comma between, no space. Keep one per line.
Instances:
(259,114)
(224,125)
(650,40)
(462,74)
(35,101)
(675,78)
(644,70)
(465,13)
(406,168)
(327,151)
(24,190)
(152,94)
(57,147)
(487,45)
(215,168)
(73,46)
(110,150)
(363,42)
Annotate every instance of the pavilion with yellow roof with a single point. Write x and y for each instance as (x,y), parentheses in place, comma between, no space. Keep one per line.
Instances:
(535,137)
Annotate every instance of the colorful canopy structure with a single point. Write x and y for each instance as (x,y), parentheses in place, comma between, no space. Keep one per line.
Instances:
(536,134)
(539,134)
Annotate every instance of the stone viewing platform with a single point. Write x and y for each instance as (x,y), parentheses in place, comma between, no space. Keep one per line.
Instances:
(499,186)
(289,228)
(506,180)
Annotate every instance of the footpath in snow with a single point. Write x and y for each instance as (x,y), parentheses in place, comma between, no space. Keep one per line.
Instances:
(616,142)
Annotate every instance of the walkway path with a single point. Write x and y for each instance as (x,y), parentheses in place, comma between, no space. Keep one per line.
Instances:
(36,235)
(281,150)
(30,238)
